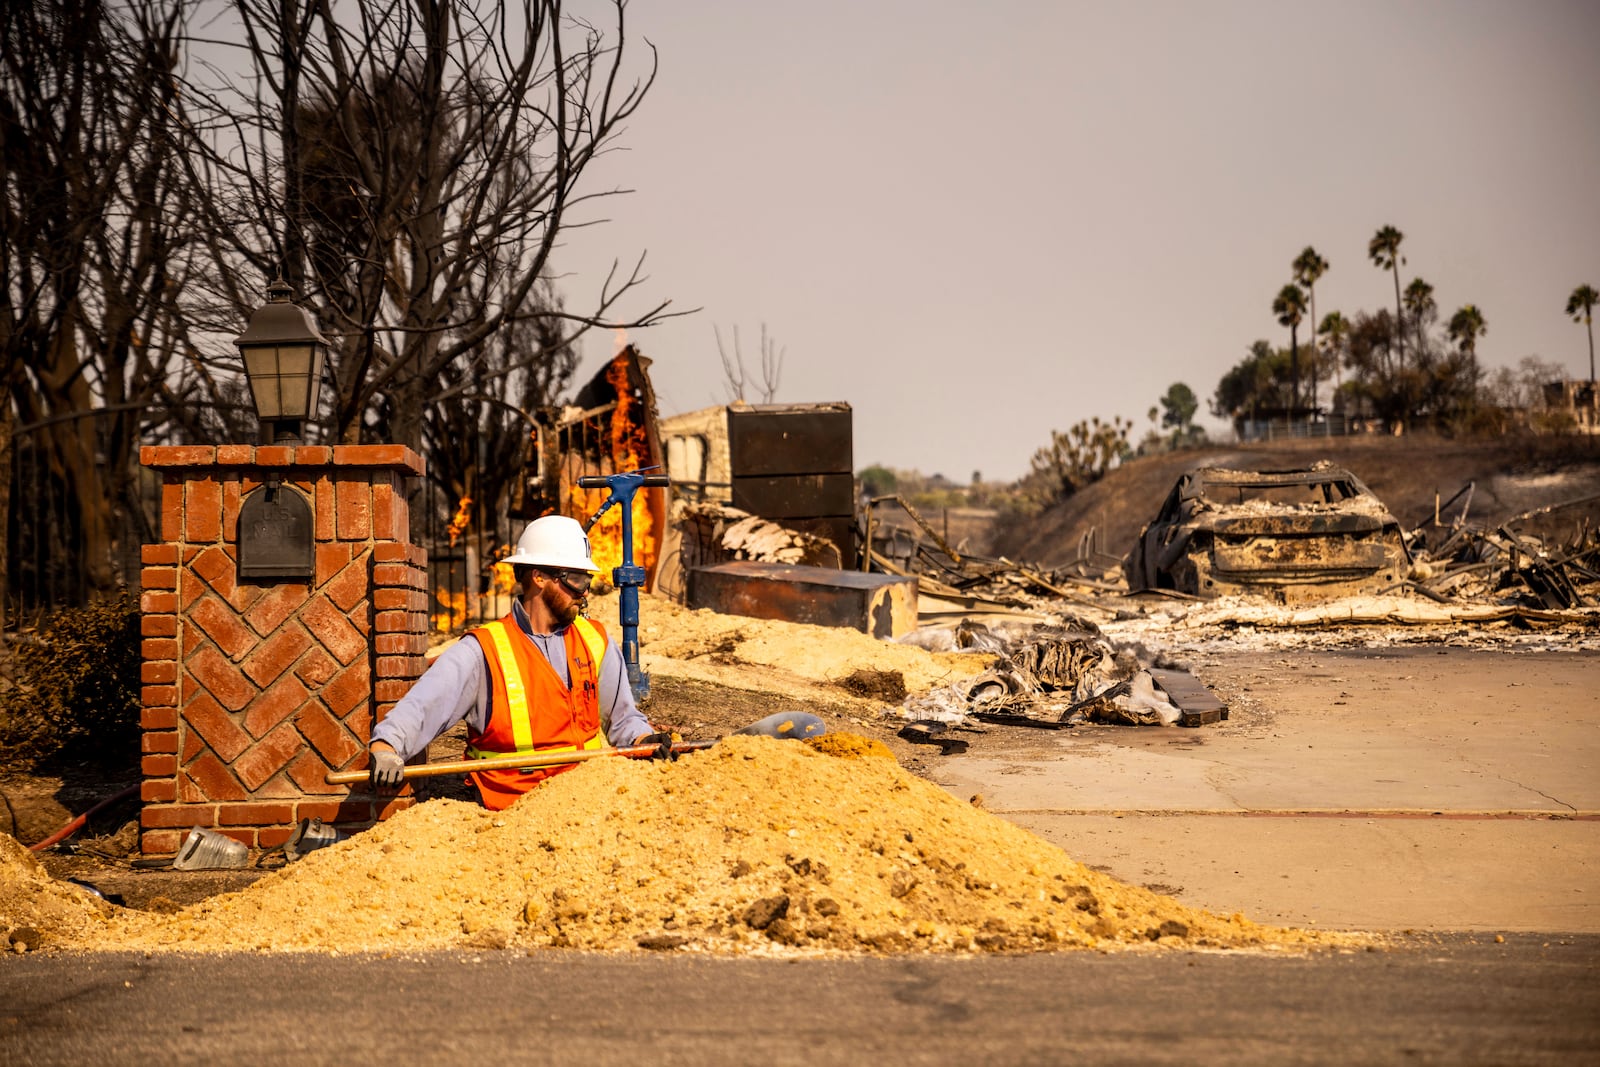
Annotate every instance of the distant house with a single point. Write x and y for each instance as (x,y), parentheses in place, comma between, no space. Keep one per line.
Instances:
(1575,398)
(1263,423)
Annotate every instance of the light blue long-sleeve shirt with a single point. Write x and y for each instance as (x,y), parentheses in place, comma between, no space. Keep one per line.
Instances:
(456,687)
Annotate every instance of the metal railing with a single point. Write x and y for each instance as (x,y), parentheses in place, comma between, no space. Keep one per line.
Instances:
(63,540)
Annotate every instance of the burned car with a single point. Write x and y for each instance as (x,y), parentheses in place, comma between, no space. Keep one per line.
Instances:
(1293,535)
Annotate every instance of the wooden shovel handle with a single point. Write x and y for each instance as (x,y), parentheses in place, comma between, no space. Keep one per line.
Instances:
(541,759)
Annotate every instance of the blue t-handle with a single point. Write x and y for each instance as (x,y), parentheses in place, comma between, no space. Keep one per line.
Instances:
(627,578)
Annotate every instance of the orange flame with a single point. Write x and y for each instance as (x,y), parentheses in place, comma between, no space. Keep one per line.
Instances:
(454,613)
(501,580)
(630,450)
(458,524)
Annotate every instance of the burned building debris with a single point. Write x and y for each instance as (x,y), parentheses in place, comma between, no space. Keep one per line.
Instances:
(789,464)
(1339,557)
(1311,546)
(1548,557)
(1214,536)
(610,427)
(1057,675)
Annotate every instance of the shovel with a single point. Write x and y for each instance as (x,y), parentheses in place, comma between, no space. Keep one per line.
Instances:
(792,724)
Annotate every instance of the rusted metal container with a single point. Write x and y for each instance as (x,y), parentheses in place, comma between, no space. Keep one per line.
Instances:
(793,463)
(883,605)
(768,439)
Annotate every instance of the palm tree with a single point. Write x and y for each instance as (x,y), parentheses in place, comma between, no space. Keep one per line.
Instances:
(1384,250)
(1466,326)
(1419,301)
(1290,307)
(1308,267)
(1580,305)
(1333,331)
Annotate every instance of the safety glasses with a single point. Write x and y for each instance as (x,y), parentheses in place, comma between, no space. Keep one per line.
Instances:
(574,582)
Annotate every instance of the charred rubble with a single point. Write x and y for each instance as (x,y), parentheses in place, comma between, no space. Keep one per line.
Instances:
(1548,557)
(1056,670)
(1053,676)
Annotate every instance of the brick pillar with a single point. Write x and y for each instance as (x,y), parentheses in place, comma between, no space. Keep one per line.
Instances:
(255,688)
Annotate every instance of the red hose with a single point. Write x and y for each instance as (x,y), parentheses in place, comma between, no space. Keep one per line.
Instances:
(73,826)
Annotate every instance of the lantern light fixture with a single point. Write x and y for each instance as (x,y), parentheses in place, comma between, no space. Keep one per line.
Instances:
(283,355)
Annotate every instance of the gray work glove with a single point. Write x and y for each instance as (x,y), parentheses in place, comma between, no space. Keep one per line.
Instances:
(388,770)
(663,742)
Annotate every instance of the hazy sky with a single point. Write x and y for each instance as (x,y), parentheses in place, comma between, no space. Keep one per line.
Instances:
(980,222)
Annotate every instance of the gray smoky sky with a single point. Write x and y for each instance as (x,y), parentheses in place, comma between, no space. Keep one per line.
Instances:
(979,223)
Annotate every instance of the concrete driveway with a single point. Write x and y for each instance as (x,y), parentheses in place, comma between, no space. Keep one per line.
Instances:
(1417,787)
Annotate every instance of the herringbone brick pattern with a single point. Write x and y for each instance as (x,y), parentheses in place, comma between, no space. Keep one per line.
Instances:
(254,690)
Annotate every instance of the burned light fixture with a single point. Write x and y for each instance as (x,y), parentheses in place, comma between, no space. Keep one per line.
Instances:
(283,356)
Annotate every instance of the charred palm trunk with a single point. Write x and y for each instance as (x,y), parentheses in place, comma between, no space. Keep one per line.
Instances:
(1399,321)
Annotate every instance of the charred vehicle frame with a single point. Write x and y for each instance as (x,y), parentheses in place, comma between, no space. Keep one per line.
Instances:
(1306,534)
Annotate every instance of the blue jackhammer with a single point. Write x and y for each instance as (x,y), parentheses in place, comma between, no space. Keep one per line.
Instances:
(627,578)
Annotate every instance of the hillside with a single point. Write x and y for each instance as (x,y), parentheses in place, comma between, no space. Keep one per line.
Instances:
(1510,475)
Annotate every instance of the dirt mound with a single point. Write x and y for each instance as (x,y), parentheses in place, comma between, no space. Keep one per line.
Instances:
(38,911)
(824,664)
(1510,476)
(753,846)
(888,686)
(850,746)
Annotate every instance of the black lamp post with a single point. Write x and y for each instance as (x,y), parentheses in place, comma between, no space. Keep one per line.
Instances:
(283,357)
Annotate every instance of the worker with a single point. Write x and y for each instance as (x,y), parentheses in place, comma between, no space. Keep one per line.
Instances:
(542,679)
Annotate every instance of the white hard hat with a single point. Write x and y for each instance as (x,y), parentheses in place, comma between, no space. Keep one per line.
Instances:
(554,541)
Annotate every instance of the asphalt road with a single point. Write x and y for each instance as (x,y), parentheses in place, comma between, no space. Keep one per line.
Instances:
(1432,999)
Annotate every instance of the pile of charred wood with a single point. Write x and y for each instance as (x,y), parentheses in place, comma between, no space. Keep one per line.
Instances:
(1549,557)
(1054,676)
(952,577)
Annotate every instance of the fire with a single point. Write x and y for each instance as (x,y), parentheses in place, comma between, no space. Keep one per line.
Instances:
(501,580)
(605,538)
(629,445)
(453,607)
(454,613)
(630,450)
(458,524)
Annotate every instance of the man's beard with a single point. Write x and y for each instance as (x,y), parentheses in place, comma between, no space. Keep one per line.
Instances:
(563,609)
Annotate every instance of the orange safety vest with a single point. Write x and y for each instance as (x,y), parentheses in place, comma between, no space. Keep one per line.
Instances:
(530,710)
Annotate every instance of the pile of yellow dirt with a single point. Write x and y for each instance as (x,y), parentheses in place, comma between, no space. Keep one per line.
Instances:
(38,911)
(792,659)
(850,746)
(752,846)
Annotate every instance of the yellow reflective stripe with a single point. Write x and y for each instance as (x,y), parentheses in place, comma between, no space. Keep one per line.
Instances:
(516,691)
(593,743)
(592,641)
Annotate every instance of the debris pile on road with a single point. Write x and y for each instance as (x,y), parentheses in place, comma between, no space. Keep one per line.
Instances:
(754,846)
(1048,676)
